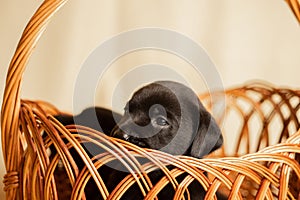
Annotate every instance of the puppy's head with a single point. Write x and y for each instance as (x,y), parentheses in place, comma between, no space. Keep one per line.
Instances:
(168,116)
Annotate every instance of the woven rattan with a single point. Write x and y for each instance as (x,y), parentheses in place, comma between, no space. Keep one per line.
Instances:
(295,6)
(262,163)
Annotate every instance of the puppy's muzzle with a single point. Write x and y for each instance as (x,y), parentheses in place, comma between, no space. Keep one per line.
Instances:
(120,134)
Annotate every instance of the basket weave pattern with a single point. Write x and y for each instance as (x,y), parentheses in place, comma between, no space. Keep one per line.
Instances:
(29,129)
(262,115)
(259,116)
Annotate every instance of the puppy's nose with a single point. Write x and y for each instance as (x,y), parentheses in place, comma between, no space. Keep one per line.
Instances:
(120,134)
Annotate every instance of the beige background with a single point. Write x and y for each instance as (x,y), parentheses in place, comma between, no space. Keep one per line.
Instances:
(246,39)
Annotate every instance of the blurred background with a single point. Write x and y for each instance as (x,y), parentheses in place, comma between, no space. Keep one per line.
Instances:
(246,40)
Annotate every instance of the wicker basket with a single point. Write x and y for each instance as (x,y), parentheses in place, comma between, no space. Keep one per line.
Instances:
(263,164)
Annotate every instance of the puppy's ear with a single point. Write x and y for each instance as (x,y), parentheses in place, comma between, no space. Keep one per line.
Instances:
(208,137)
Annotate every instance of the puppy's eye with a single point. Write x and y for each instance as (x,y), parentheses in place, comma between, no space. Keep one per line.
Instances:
(161,121)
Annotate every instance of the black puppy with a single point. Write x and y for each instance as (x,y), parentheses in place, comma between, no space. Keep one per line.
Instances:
(98,118)
(164,115)
(168,116)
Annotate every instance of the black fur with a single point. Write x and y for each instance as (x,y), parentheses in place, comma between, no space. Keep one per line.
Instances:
(168,116)
(164,115)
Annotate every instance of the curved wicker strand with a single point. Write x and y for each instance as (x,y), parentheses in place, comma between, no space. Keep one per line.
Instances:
(295,7)
(11,100)
(266,106)
(29,130)
(248,169)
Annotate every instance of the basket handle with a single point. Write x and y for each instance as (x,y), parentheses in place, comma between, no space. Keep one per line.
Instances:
(295,7)
(11,146)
